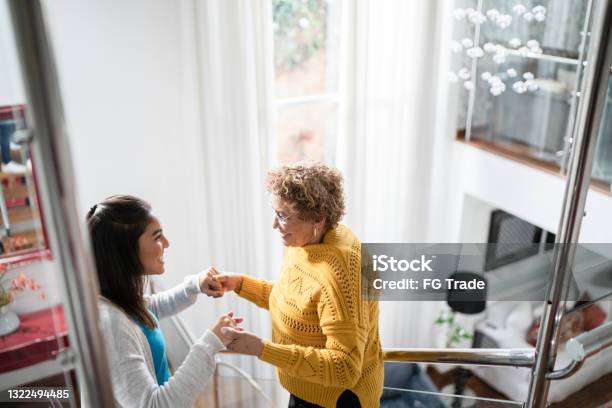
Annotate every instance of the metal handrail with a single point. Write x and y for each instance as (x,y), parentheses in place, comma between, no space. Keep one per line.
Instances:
(468,356)
(578,348)
(589,343)
(585,131)
(582,347)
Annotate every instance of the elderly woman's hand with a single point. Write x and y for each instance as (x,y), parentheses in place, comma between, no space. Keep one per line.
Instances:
(230,282)
(226,321)
(209,283)
(243,342)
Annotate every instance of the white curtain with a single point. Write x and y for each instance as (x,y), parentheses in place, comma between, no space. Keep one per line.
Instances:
(231,48)
(386,144)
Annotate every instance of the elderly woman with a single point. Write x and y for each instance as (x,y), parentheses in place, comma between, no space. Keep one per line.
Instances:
(325,342)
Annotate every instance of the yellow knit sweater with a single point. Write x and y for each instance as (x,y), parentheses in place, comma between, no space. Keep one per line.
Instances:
(324,336)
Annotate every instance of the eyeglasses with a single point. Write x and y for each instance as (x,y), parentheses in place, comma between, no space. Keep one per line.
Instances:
(282,219)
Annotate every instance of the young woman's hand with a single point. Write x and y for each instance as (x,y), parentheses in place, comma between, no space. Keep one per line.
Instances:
(209,284)
(243,342)
(226,321)
(230,282)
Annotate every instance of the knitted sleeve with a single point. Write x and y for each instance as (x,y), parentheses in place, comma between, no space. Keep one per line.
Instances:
(256,291)
(339,364)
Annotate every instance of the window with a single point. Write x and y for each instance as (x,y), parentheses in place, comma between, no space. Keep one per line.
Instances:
(307,36)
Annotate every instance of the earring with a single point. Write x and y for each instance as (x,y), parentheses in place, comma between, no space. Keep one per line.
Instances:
(315,232)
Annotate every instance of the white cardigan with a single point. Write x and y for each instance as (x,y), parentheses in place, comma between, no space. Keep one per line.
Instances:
(131,362)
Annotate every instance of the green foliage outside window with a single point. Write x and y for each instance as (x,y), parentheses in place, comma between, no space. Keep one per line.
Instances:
(299,31)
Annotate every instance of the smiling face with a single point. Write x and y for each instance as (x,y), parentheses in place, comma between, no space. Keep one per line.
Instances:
(151,246)
(295,231)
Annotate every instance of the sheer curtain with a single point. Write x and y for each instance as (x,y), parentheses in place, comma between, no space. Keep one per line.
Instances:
(387,138)
(231,50)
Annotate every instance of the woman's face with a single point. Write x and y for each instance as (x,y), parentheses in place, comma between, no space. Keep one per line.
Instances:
(294,231)
(151,246)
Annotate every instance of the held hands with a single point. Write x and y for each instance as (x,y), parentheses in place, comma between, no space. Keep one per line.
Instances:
(235,338)
(226,327)
(209,284)
(230,282)
(215,285)
(226,322)
(243,342)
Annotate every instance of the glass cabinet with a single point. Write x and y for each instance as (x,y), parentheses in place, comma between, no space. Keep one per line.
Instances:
(518,66)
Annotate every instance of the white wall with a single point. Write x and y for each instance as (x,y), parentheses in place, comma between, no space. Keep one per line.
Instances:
(474,222)
(531,194)
(129,99)
(129,84)
(11,86)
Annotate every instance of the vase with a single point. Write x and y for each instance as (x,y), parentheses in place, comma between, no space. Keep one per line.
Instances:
(9,322)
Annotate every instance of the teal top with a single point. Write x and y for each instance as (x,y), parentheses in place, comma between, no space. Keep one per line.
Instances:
(157,344)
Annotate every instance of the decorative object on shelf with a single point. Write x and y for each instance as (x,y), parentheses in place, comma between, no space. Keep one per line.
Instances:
(22,235)
(9,321)
(503,21)
(475,52)
(492,14)
(539,13)
(497,85)
(534,47)
(464,73)
(489,47)
(467,43)
(519,9)
(547,43)
(499,52)
(519,87)
(514,42)
(477,17)
(499,58)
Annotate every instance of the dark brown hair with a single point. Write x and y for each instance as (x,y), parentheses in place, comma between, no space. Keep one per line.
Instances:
(115,225)
(314,189)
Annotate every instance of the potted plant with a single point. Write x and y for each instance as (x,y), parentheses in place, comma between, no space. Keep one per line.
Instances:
(455,332)
(9,322)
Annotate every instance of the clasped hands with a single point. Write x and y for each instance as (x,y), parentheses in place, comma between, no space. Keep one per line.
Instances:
(227,328)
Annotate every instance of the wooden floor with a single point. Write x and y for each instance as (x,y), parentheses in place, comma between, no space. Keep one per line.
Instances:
(596,395)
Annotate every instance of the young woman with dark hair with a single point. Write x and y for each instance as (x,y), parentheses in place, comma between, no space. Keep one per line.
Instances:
(129,243)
